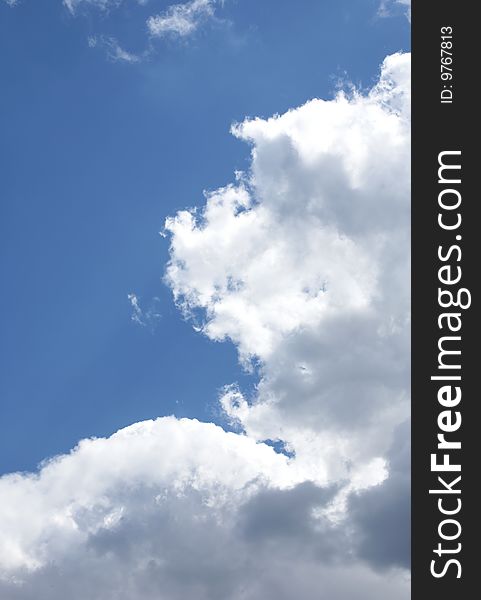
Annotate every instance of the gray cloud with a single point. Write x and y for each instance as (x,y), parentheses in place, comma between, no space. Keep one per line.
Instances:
(179,547)
(382,514)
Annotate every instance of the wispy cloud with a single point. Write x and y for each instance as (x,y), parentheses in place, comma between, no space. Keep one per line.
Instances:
(181,19)
(145,318)
(177,20)
(117,53)
(72,5)
(387,6)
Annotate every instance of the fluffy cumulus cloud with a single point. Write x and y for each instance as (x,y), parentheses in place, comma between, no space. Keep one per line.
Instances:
(179,509)
(302,263)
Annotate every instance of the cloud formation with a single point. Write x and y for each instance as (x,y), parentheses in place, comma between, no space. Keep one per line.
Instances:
(177,20)
(181,20)
(387,6)
(177,508)
(303,264)
(386,508)
(72,5)
(148,317)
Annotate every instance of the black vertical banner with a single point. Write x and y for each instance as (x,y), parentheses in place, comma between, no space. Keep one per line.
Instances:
(445,325)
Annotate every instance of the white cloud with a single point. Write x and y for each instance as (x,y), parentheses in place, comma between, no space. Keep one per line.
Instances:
(72,5)
(136,310)
(178,20)
(292,246)
(387,6)
(181,19)
(78,494)
(117,53)
(303,263)
(103,5)
(114,50)
(145,318)
(170,508)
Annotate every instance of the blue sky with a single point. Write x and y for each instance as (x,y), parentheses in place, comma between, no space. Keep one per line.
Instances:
(95,154)
(215,151)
